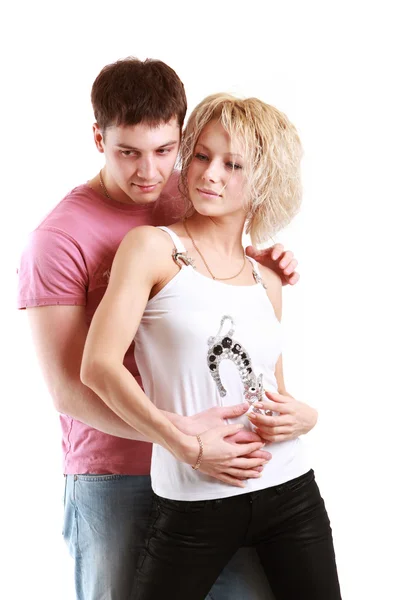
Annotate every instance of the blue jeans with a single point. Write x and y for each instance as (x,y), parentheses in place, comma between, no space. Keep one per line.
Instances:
(105,525)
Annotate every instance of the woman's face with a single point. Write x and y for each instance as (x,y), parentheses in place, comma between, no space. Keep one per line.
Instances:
(216,179)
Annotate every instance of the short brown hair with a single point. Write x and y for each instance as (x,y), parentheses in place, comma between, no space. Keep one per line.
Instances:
(131,91)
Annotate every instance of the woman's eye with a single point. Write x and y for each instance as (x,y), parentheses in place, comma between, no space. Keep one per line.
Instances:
(234,166)
(200,156)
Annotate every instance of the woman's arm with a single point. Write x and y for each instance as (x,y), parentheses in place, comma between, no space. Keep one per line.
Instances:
(294,418)
(143,263)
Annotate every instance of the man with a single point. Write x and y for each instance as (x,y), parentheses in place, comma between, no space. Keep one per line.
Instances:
(139,109)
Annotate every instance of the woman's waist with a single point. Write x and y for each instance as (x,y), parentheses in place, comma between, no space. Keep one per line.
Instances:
(178,481)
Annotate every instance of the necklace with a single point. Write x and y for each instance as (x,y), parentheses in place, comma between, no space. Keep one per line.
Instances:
(103,187)
(205,262)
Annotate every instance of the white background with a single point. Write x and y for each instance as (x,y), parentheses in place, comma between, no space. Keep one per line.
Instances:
(332,67)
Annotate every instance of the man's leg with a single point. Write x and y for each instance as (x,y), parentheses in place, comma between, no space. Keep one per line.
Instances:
(243,578)
(106,519)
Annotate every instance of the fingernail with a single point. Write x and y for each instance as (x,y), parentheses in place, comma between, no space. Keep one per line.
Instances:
(259,405)
(252,416)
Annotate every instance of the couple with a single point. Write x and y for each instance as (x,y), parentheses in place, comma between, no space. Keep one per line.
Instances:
(240,165)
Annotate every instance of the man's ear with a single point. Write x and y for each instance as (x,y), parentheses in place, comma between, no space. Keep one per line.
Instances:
(98,136)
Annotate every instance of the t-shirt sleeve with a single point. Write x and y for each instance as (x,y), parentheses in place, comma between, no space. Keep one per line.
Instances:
(52,271)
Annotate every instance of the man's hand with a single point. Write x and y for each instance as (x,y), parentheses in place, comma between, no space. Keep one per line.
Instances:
(295,418)
(279,260)
(210,418)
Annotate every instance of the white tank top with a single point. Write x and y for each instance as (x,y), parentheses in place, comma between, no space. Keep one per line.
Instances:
(204,343)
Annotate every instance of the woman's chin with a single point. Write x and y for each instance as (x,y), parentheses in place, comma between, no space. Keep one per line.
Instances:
(206,209)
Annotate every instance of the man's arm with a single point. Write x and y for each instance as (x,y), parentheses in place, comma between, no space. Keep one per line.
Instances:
(59,335)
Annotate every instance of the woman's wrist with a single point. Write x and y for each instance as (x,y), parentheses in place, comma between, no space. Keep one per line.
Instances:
(200,456)
(186,448)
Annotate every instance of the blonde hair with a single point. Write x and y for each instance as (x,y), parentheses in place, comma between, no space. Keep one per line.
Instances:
(272,155)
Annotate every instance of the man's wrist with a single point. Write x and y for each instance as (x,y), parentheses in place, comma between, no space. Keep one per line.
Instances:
(184,424)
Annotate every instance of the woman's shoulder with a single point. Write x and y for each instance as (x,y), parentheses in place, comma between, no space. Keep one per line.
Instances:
(273,283)
(144,248)
(270,278)
(147,238)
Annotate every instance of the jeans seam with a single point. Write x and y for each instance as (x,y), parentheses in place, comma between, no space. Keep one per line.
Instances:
(288,486)
(76,515)
(100,477)
(150,534)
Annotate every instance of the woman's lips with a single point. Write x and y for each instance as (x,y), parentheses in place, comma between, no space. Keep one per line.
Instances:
(208,193)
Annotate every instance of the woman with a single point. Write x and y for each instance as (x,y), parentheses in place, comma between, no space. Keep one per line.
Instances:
(205,319)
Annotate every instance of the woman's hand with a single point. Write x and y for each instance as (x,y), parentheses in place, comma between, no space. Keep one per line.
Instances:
(226,455)
(294,418)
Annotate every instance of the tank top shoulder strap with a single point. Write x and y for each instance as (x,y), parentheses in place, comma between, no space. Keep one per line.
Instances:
(256,271)
(179,253)
(174,237)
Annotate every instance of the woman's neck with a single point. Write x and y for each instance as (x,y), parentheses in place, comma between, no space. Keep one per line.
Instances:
(223,236)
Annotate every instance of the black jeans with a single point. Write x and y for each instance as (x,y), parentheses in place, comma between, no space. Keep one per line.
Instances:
(189,543)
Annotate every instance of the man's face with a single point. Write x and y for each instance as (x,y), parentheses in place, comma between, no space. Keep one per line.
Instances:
(139,159)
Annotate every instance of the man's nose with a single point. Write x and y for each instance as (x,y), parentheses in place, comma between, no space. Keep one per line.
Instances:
(146,169)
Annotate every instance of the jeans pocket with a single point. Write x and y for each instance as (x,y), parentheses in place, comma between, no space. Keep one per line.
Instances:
(182,506)
(295,484)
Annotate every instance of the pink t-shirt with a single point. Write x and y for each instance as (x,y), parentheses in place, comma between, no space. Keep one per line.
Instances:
(67,261)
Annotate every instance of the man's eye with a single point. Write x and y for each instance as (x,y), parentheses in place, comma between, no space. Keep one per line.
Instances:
(127,153)
(164,151)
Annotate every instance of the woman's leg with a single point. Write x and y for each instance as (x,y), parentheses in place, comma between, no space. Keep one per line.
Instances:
(296,547)
(189,544)
(242,579)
